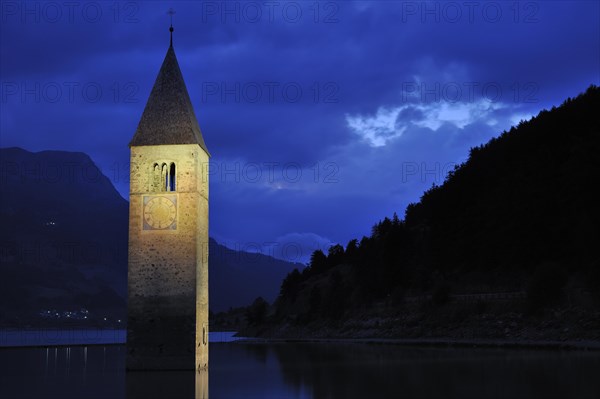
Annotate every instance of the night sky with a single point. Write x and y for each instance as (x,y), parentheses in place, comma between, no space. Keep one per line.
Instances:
(321,118)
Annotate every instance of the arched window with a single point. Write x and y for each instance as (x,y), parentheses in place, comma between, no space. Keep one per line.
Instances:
(163,177)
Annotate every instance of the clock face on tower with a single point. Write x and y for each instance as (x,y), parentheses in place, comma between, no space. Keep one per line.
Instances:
(160,212)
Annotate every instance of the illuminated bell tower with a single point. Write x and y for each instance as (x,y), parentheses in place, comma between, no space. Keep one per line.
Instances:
(168,231)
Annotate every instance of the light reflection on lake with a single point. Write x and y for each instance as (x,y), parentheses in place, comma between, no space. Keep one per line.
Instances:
(305,370)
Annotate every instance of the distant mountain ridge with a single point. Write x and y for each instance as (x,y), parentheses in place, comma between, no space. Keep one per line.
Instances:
(255,274)
(63,237)
(64,240)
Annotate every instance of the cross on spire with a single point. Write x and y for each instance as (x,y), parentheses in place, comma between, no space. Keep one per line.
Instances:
(171,12)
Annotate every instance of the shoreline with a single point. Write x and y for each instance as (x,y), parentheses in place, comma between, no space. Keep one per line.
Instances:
(59,346)
(436,343)
(564,344)
(440,342)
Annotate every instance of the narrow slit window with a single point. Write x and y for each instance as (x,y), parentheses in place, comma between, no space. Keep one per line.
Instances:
(172,179)
(164,178)
(155,185)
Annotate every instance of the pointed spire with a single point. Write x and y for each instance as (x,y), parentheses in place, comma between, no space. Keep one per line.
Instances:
(171,12)
(169,117)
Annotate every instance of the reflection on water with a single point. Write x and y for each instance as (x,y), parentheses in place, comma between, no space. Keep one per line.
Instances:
(201,383)
(64,372)
(305,370)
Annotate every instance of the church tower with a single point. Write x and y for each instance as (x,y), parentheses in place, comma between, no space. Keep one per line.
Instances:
(168,231)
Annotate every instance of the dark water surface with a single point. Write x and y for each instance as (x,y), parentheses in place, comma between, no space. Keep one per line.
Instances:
(305,370)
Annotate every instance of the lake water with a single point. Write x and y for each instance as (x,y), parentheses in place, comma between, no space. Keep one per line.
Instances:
(53,337)
(305,370)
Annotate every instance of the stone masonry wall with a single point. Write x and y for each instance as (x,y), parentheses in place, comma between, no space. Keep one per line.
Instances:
(168,269)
